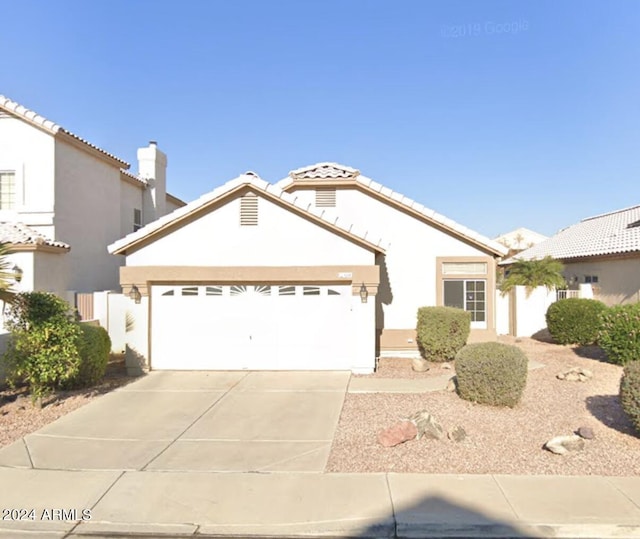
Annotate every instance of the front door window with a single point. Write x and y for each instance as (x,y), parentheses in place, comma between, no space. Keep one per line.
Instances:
(470,295)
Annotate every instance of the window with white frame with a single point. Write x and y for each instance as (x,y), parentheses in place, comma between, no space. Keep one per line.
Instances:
(469,295)
(7,190)
(593,279)
(137,219)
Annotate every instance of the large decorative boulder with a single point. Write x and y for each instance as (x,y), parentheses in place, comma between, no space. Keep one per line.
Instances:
(397,434)
(561,445)
(427,425)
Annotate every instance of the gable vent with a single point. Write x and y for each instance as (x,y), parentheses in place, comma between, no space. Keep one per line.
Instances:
(249,210)
(326,197)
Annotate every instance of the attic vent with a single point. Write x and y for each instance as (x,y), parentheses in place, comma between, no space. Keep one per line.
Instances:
(4,114)
(635,224)
(249,210)
(326,197)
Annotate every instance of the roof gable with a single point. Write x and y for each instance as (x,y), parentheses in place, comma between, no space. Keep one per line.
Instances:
(261,187)
(325,170)
(607,234)
(335,174)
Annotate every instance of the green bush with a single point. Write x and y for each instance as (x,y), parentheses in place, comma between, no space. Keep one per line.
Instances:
(619,333)
(630,393)
(442,331)
(575,320)
(94,346)
(43,348)
(491,373)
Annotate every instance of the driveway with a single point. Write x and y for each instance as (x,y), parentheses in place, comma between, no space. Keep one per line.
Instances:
(195,421)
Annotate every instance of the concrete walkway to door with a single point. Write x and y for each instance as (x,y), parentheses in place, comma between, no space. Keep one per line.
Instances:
(195,422)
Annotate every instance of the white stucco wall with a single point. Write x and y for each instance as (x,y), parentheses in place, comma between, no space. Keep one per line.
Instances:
(170,206)
(30,153)
(281,238)
(88,216)
(531,309)
(130,199)
(411,253)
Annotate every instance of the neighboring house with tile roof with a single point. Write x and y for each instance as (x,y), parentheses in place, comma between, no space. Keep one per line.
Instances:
(519,239)
(603,251)
(74,196)
(323,270)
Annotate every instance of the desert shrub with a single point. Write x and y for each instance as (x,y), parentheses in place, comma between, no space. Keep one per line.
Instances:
(94,347)
(619,333)
(575,320)
(43,348)
(442,331)
(630,393)
(491,373)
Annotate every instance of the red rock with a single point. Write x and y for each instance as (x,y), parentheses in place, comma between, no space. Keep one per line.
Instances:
(397,434)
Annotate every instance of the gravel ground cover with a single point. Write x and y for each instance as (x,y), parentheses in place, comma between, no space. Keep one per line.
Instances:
(500,440)
(18,417)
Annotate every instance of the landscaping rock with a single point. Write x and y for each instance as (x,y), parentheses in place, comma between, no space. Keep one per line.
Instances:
(427,425)
(419,365)
(397,434)
(560,445)
(452,384)
(575,374)
(447,366)
(586,433)
(457,435)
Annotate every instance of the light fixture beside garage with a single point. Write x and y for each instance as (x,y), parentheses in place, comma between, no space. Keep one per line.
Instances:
(364,294)
(134,294)
(17,273)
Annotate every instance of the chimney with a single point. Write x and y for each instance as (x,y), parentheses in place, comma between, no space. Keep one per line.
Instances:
(152,165)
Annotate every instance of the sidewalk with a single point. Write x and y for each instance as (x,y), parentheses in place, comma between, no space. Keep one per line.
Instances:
(173,504)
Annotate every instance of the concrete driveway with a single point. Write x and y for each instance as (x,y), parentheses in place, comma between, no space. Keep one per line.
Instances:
(195,421)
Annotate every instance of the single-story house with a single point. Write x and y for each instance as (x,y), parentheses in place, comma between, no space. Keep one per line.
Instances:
(603,251)
(324,270)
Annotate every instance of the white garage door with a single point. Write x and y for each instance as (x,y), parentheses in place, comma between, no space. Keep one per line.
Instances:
(203,327)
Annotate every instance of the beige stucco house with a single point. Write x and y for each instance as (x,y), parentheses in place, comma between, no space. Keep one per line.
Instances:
(63,200)
(324,270)
(603,251)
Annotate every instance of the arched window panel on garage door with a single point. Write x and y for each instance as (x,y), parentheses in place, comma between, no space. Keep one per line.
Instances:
(250,290)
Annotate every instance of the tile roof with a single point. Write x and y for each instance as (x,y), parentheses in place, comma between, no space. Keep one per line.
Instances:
(133,176)
(337,171)
(611,233)
(53,128)
(320,171)
(21,234)
(253,180)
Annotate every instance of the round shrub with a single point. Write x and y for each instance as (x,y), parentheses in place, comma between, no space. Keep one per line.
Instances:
(630,393)
(575,320)
(42,350)
(619,333)
(94,346)
(442,331)
(491,373)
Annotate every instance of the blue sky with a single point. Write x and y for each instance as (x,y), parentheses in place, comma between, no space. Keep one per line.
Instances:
(497,114)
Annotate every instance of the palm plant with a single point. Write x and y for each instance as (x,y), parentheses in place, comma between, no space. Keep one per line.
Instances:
(545,272)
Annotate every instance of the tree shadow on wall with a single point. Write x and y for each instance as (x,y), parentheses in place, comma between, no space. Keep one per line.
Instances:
(383,297)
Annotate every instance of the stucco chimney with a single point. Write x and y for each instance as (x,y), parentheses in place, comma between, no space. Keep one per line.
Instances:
(152,165)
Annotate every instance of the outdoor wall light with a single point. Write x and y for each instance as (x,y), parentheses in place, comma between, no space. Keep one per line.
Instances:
(17,273)
(363,293)
(134,294)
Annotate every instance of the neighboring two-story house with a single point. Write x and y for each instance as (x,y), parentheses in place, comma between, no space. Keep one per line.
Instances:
(63,200)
